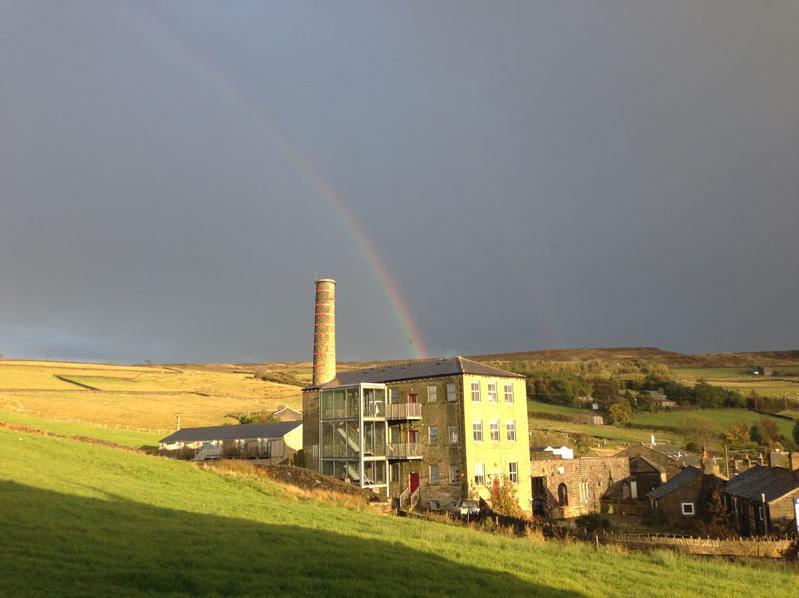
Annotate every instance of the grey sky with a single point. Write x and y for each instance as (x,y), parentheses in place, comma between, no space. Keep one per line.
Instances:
(532,174)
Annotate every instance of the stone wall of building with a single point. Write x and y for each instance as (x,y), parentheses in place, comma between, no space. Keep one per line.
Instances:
(586,481)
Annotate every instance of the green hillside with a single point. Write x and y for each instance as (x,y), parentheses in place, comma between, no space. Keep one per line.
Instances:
(81,519)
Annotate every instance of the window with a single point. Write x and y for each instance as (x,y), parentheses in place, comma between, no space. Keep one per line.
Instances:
(435,474)
(451,394)
(509,393)
(563,495)
(687,508)
(432,396)
(454,474)
(394,396)
(513,472)
(510,427)
(476,391)
(453,434)
(395,472)
(585,492)
(479,474)
(492,392)
(432,435)
(477,430)
(493,426)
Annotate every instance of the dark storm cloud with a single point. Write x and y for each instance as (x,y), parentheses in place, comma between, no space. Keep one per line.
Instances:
(532,174)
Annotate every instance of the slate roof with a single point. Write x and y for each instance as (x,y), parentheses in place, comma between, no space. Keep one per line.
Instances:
(420,368)
(774,482)
(651,464)
(686,475)
(676,454)
(268,430)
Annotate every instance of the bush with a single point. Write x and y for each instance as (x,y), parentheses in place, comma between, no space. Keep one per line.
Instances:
(593,523)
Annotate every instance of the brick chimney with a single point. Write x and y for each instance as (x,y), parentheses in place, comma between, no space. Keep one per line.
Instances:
(324,337)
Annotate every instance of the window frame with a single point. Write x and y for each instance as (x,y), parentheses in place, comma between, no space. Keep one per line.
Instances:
(687,504)
(507,394)
(432,398)
(454,474)
(452,392)
(434,481)
(493,430)
(453,432)
(510,430)
(432,435)
(513,472)
(490,394)
(477,429)
(480,479)
(475,389)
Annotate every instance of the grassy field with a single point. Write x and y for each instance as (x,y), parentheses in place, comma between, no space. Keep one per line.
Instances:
(723,417)
(132,439)
(82,519)
(737,378)
(139,396)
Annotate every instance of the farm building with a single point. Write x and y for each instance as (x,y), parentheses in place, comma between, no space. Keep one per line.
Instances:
(692,495)
(551,452)
(589,419)
(427,432)
(271,443)
(286,414)
(645,476)
(566,488)
(760,500)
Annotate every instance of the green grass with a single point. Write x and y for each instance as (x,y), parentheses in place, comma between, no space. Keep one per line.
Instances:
(614,435)
(738,379)
(121,437)
(723,417)
(89,520)
(555,408)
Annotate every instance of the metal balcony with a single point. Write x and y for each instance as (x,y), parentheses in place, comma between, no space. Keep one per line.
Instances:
(405,411)
(404,451)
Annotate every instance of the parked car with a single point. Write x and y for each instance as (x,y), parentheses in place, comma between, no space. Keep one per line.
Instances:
(465,508)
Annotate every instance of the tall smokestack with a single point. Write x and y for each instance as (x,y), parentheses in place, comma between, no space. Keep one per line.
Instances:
(324,336)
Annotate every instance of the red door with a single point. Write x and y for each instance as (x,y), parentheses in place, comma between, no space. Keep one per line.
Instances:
(411,397)
(413,481)
(413,436)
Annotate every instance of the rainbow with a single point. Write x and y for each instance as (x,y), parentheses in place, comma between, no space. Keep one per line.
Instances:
(311,175)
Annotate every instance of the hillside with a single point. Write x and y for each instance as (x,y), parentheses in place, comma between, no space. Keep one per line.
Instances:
(146,397)
(81,519)
(653,354)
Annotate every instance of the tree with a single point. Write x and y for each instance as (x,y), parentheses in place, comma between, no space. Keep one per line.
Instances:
(503,498)
(700,432)
(620,413)
(605,391)
(756,434)
(772,437)
(796,432)
(738,435)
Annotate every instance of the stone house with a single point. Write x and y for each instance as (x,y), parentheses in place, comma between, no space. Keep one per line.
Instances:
(690,496)
(273,443)
(286,414)
(671,458)
(567,488)
(762,500)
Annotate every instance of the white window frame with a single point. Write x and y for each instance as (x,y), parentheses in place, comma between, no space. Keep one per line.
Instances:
(452,392)
(437,478)
(432,393)
(510,430)
(479,474)
(431,431)
(475,386)
(492,394)
(477,430)
(513,472)
(394,397)
(454,474)
(493,430)
(687,504)
(508,389)
(452,435)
